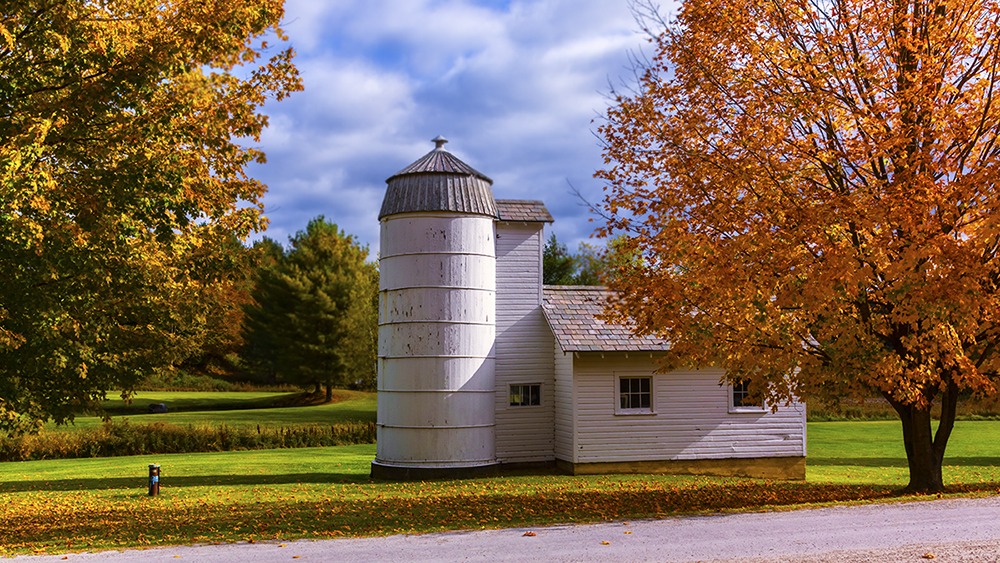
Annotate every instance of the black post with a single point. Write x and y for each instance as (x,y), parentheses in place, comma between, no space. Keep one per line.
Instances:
(154,479)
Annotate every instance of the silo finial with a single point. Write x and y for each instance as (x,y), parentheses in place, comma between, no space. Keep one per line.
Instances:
(439,142)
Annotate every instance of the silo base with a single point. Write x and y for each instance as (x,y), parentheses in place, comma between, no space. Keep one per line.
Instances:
(404,473)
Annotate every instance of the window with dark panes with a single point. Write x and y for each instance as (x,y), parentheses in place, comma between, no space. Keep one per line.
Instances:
(525,395)
(635,393)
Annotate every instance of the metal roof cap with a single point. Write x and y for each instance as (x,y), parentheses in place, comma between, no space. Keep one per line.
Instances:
(439,181)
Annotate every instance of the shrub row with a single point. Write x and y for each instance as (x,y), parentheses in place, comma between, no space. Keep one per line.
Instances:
(123,438)
(877,409)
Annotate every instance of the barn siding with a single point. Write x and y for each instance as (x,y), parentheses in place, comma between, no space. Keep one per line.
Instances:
(523,346)
(565,415)
(692,419)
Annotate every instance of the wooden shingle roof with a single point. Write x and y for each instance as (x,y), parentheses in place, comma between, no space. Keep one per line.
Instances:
(527,210)
(571,312)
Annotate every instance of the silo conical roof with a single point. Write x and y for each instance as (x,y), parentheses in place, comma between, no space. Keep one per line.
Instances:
(439,181)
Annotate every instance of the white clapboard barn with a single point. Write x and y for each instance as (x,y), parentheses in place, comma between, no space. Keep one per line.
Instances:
(481,366)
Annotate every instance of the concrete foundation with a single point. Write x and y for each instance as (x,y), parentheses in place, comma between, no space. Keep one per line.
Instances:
(784,468)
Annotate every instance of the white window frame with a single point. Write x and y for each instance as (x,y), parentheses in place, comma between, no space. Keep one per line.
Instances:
(733,408)
(529,385)
(634,411)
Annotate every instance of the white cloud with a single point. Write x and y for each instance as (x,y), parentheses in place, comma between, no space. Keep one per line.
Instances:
(310,23)
(513,86)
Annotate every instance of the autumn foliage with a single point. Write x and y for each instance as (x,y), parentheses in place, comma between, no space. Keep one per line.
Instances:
(812,190)
(120,163)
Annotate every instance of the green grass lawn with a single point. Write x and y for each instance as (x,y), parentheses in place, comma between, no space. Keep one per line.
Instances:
(872,452)
(325,492)
(190,409)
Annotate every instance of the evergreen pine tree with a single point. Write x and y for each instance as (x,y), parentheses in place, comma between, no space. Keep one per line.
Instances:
(315,319)
(265,323)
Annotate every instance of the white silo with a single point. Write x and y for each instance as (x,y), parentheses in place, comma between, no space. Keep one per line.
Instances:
(437,305)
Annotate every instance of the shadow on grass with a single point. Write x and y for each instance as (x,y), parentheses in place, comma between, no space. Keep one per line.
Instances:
(900,461)
(360,414)
(142,410)
(167,482)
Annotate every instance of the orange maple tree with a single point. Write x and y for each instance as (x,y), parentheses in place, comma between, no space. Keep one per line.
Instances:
(121,153)
(808,195)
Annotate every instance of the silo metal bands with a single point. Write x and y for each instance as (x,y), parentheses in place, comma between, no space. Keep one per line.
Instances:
(437,308)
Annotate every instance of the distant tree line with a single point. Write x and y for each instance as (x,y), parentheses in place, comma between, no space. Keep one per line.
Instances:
(561,267)
(305,315)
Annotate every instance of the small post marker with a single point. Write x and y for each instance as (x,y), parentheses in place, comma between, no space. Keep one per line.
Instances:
(154,479)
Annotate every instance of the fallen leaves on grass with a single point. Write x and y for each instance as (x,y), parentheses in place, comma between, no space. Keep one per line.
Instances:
(45,520)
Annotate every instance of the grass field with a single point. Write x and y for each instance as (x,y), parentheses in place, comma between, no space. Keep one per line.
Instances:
(325,492)
(872,452)
(70,505)
(235,409)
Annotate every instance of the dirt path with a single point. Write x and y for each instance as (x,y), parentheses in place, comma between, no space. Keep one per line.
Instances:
(953,531)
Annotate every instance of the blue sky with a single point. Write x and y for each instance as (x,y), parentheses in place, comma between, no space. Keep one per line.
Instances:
(517,87)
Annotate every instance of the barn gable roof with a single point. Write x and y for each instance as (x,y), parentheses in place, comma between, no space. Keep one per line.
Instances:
(571,312)
(527,210)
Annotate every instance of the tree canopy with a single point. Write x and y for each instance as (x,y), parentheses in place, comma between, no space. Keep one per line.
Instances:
(120,160)
(812,190)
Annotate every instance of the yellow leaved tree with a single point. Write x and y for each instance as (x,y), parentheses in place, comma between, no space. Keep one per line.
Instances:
(809,190)
(120,123)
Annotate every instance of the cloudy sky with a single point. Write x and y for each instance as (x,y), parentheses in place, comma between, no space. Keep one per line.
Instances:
(516,86)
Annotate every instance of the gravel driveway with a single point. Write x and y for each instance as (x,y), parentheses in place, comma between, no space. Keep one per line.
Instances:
(954,530)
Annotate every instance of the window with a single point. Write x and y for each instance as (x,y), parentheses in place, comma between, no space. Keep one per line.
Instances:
(740,396)
(525,395)
(635,394)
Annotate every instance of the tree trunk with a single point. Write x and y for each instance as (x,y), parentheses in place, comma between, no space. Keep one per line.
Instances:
(329,392)
(925,465)
(316,387)
(924,448)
